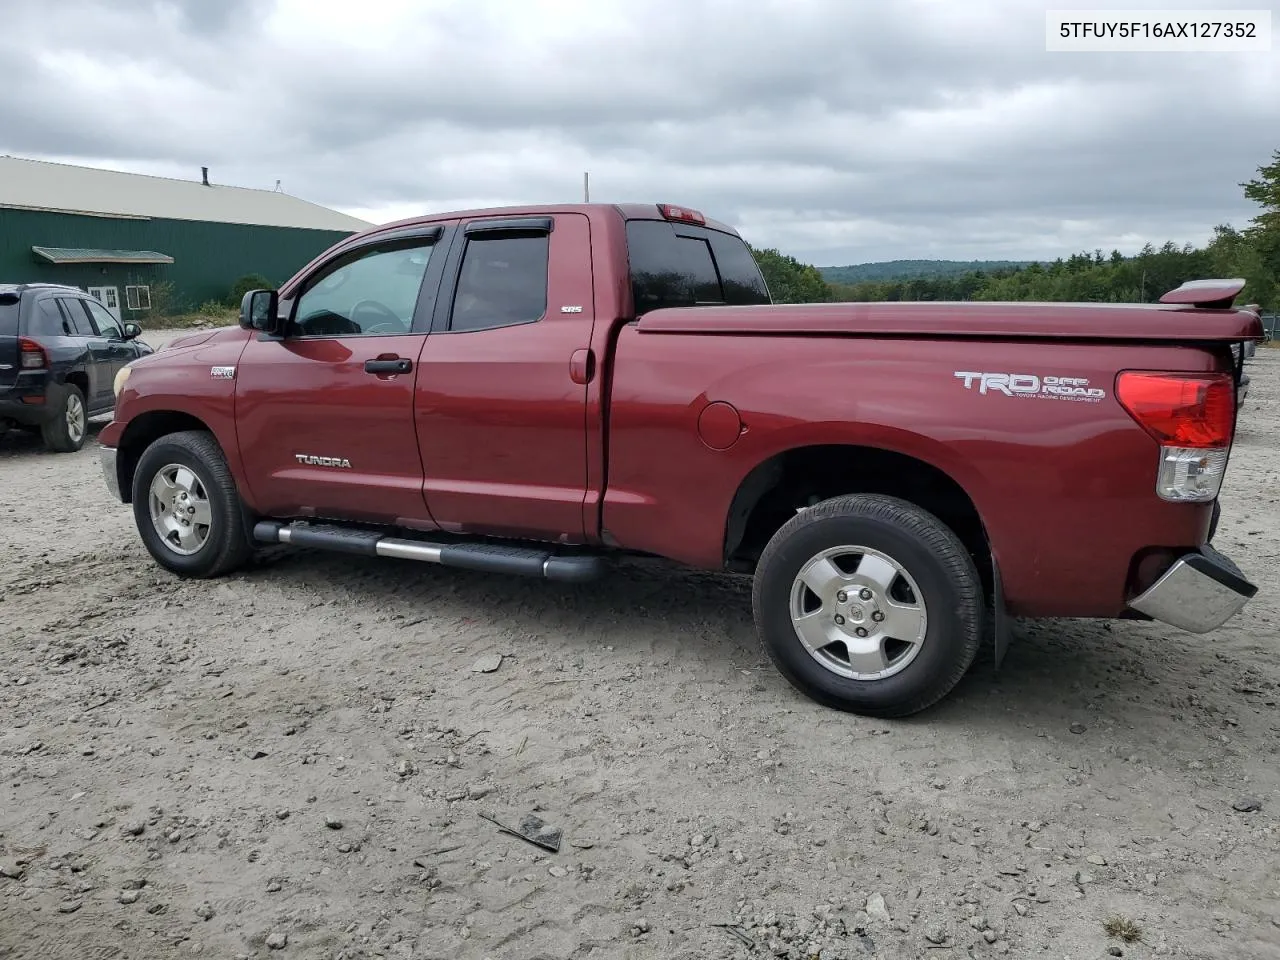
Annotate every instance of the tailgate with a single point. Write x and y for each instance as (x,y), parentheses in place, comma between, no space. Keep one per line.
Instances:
(8,341)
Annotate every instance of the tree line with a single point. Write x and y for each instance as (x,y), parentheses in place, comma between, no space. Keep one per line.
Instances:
(1252,253)
(901,269)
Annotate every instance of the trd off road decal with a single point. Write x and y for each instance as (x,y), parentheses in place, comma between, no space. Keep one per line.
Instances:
(1030,385)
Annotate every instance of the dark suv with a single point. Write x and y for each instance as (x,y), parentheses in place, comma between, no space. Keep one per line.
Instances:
(60,351)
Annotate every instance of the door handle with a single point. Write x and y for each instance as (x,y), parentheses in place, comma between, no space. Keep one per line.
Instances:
(388,365)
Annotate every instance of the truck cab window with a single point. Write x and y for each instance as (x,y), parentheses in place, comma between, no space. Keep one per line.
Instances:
(739,273)
(689,267)
(371,292)
(503,282)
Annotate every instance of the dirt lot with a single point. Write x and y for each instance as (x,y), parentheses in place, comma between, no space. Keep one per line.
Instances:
(294,762)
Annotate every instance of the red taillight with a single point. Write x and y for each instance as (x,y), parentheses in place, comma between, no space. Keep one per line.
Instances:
(1181,410)
(683,214)
(33,355)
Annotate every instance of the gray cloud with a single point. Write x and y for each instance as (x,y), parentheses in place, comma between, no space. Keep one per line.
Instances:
(838,131)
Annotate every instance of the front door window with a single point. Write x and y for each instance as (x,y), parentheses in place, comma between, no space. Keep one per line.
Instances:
(374,292)
(106,322)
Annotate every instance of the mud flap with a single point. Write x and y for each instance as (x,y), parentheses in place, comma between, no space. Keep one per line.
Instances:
(1001,624)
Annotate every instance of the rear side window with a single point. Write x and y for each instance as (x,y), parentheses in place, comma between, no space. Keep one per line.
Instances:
(75,311)
(48,321)
(684,266)
(503,282)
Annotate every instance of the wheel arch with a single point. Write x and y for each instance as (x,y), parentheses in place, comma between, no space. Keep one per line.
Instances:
(79,379)
(799,476)
(142,431)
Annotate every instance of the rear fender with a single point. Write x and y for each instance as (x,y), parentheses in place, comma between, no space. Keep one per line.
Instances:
(874,436)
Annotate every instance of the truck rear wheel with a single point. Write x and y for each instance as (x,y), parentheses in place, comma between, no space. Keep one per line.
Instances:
(869,604)
(187,508)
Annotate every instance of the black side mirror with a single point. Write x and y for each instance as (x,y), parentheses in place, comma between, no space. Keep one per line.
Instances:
(258,311)
(132,331)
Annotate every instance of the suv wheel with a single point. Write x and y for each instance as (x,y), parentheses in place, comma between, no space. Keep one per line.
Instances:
(869,604)
(187,508)
(65,433)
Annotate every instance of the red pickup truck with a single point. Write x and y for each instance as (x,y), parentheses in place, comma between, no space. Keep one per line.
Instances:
(532,391)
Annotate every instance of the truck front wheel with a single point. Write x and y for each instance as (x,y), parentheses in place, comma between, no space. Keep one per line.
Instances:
(186,506)
(869,604)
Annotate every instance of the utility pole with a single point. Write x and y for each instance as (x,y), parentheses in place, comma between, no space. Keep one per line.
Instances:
(586,187)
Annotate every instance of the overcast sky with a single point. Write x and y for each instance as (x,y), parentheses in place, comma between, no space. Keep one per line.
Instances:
(839,131)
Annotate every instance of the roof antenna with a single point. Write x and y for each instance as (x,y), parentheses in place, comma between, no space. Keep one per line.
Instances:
(204,175)
(277,189)
(586,187)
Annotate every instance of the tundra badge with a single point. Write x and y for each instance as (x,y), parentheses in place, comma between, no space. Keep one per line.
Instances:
(307,458)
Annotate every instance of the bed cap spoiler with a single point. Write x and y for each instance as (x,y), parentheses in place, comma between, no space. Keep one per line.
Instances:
(1210,294)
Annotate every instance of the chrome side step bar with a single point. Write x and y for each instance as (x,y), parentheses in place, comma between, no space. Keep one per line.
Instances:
(531,561)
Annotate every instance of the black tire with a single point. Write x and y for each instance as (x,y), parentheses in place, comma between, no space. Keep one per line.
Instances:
(58,434)
(931,555)
(226,545)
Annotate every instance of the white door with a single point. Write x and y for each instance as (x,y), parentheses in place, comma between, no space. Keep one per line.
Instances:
(110,298)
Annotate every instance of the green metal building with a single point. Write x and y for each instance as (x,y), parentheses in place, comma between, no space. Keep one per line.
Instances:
(146,245)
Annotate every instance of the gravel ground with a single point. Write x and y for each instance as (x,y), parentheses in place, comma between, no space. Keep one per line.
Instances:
(297,762)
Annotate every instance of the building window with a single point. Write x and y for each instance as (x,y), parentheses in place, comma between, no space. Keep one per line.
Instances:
(137,298)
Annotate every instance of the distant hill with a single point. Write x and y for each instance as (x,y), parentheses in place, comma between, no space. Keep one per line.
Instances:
(906,269)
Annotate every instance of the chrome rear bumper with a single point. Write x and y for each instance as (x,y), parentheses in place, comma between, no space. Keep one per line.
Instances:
(1200,592)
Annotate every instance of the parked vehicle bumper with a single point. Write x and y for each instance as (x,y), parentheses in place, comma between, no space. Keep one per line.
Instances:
(107,457)
(28,404)
(1199,592)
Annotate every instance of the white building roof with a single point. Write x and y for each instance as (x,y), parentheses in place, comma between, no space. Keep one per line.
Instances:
(41,185)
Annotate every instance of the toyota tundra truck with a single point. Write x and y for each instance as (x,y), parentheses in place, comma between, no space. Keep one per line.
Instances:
(536,391)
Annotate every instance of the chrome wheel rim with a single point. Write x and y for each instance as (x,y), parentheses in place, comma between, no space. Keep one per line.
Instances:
(75,418)
(858,613)
(180,510)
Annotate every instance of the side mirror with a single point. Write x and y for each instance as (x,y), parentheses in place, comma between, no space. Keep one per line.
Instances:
(132,331)
(258,311)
